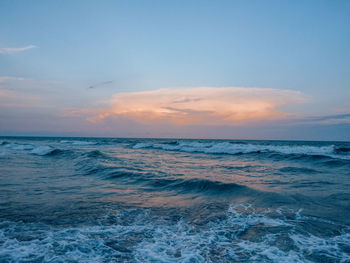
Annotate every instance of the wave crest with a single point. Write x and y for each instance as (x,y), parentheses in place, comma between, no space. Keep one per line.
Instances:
(45,150)
(78,143)
(246,148)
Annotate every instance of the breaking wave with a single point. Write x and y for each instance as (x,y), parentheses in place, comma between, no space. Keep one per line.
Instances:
(16,146)
(243,233)
(78,143)
(45,150)
(246,148)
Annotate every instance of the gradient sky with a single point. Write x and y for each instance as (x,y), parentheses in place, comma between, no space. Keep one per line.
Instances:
(206,69)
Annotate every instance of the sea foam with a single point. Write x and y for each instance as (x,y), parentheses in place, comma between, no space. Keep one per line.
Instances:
(42,150)
(82,143)
(241,148)
(146,238)
(15,146)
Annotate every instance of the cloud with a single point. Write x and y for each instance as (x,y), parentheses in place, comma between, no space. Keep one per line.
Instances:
(7,78)
(101,84)
(200,105)
(326,119)
(12,50)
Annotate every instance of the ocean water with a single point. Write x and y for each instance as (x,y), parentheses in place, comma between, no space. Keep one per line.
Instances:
(167,200)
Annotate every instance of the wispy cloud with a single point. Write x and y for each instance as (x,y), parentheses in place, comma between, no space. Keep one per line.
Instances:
(326,119)
(7,78)
(101,84)
(12,50)
(201,105)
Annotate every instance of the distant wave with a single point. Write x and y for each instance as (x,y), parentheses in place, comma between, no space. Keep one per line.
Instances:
(241,148)
(95,154)
(16,146)
(342,150)
(81,143)
(45,150)
(40,150)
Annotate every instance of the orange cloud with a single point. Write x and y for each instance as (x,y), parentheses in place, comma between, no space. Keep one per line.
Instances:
(203,105)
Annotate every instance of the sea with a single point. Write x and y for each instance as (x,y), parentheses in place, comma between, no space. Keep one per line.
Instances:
(173,200)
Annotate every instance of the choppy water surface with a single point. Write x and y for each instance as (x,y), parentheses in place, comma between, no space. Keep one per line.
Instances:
(158,200)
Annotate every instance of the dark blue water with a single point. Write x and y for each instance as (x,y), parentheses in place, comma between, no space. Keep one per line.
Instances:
(158,200)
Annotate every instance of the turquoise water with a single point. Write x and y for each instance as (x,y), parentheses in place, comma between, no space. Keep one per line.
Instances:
(167,200)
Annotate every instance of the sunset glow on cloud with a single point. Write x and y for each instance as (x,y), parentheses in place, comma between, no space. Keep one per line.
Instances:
(175,72)
(202,105)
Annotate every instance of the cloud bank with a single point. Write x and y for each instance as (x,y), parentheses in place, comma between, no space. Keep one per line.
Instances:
(12,50)
(200,105)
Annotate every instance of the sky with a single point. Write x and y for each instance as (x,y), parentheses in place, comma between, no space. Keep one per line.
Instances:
(179,69)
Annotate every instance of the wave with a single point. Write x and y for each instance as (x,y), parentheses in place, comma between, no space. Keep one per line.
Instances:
(342,150)
(35,150)
(95,154)
(3,142)
(246,148)
(46,150)
(298,170)
(190,185)
(200,185)
(16,146)
(81,143)
(148,179)
(242,233)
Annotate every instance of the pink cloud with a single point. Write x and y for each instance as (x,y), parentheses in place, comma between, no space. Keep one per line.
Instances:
(202,105)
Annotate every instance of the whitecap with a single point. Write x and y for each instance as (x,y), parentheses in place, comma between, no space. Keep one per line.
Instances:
(42,150)
(142,145)
(15,146)
(241,148)
(82,143)
(65,141)
(158,239)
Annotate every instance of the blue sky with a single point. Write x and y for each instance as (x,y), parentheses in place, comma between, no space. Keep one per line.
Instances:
(135,46)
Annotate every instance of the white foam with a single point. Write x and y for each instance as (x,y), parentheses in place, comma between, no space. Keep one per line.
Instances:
(15,146)
(272,253)
(184,243)
(146,238)
(82,143)
(331,246)
(249,217)
(142,145)
(236,148)
(71,244)
(42,150)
